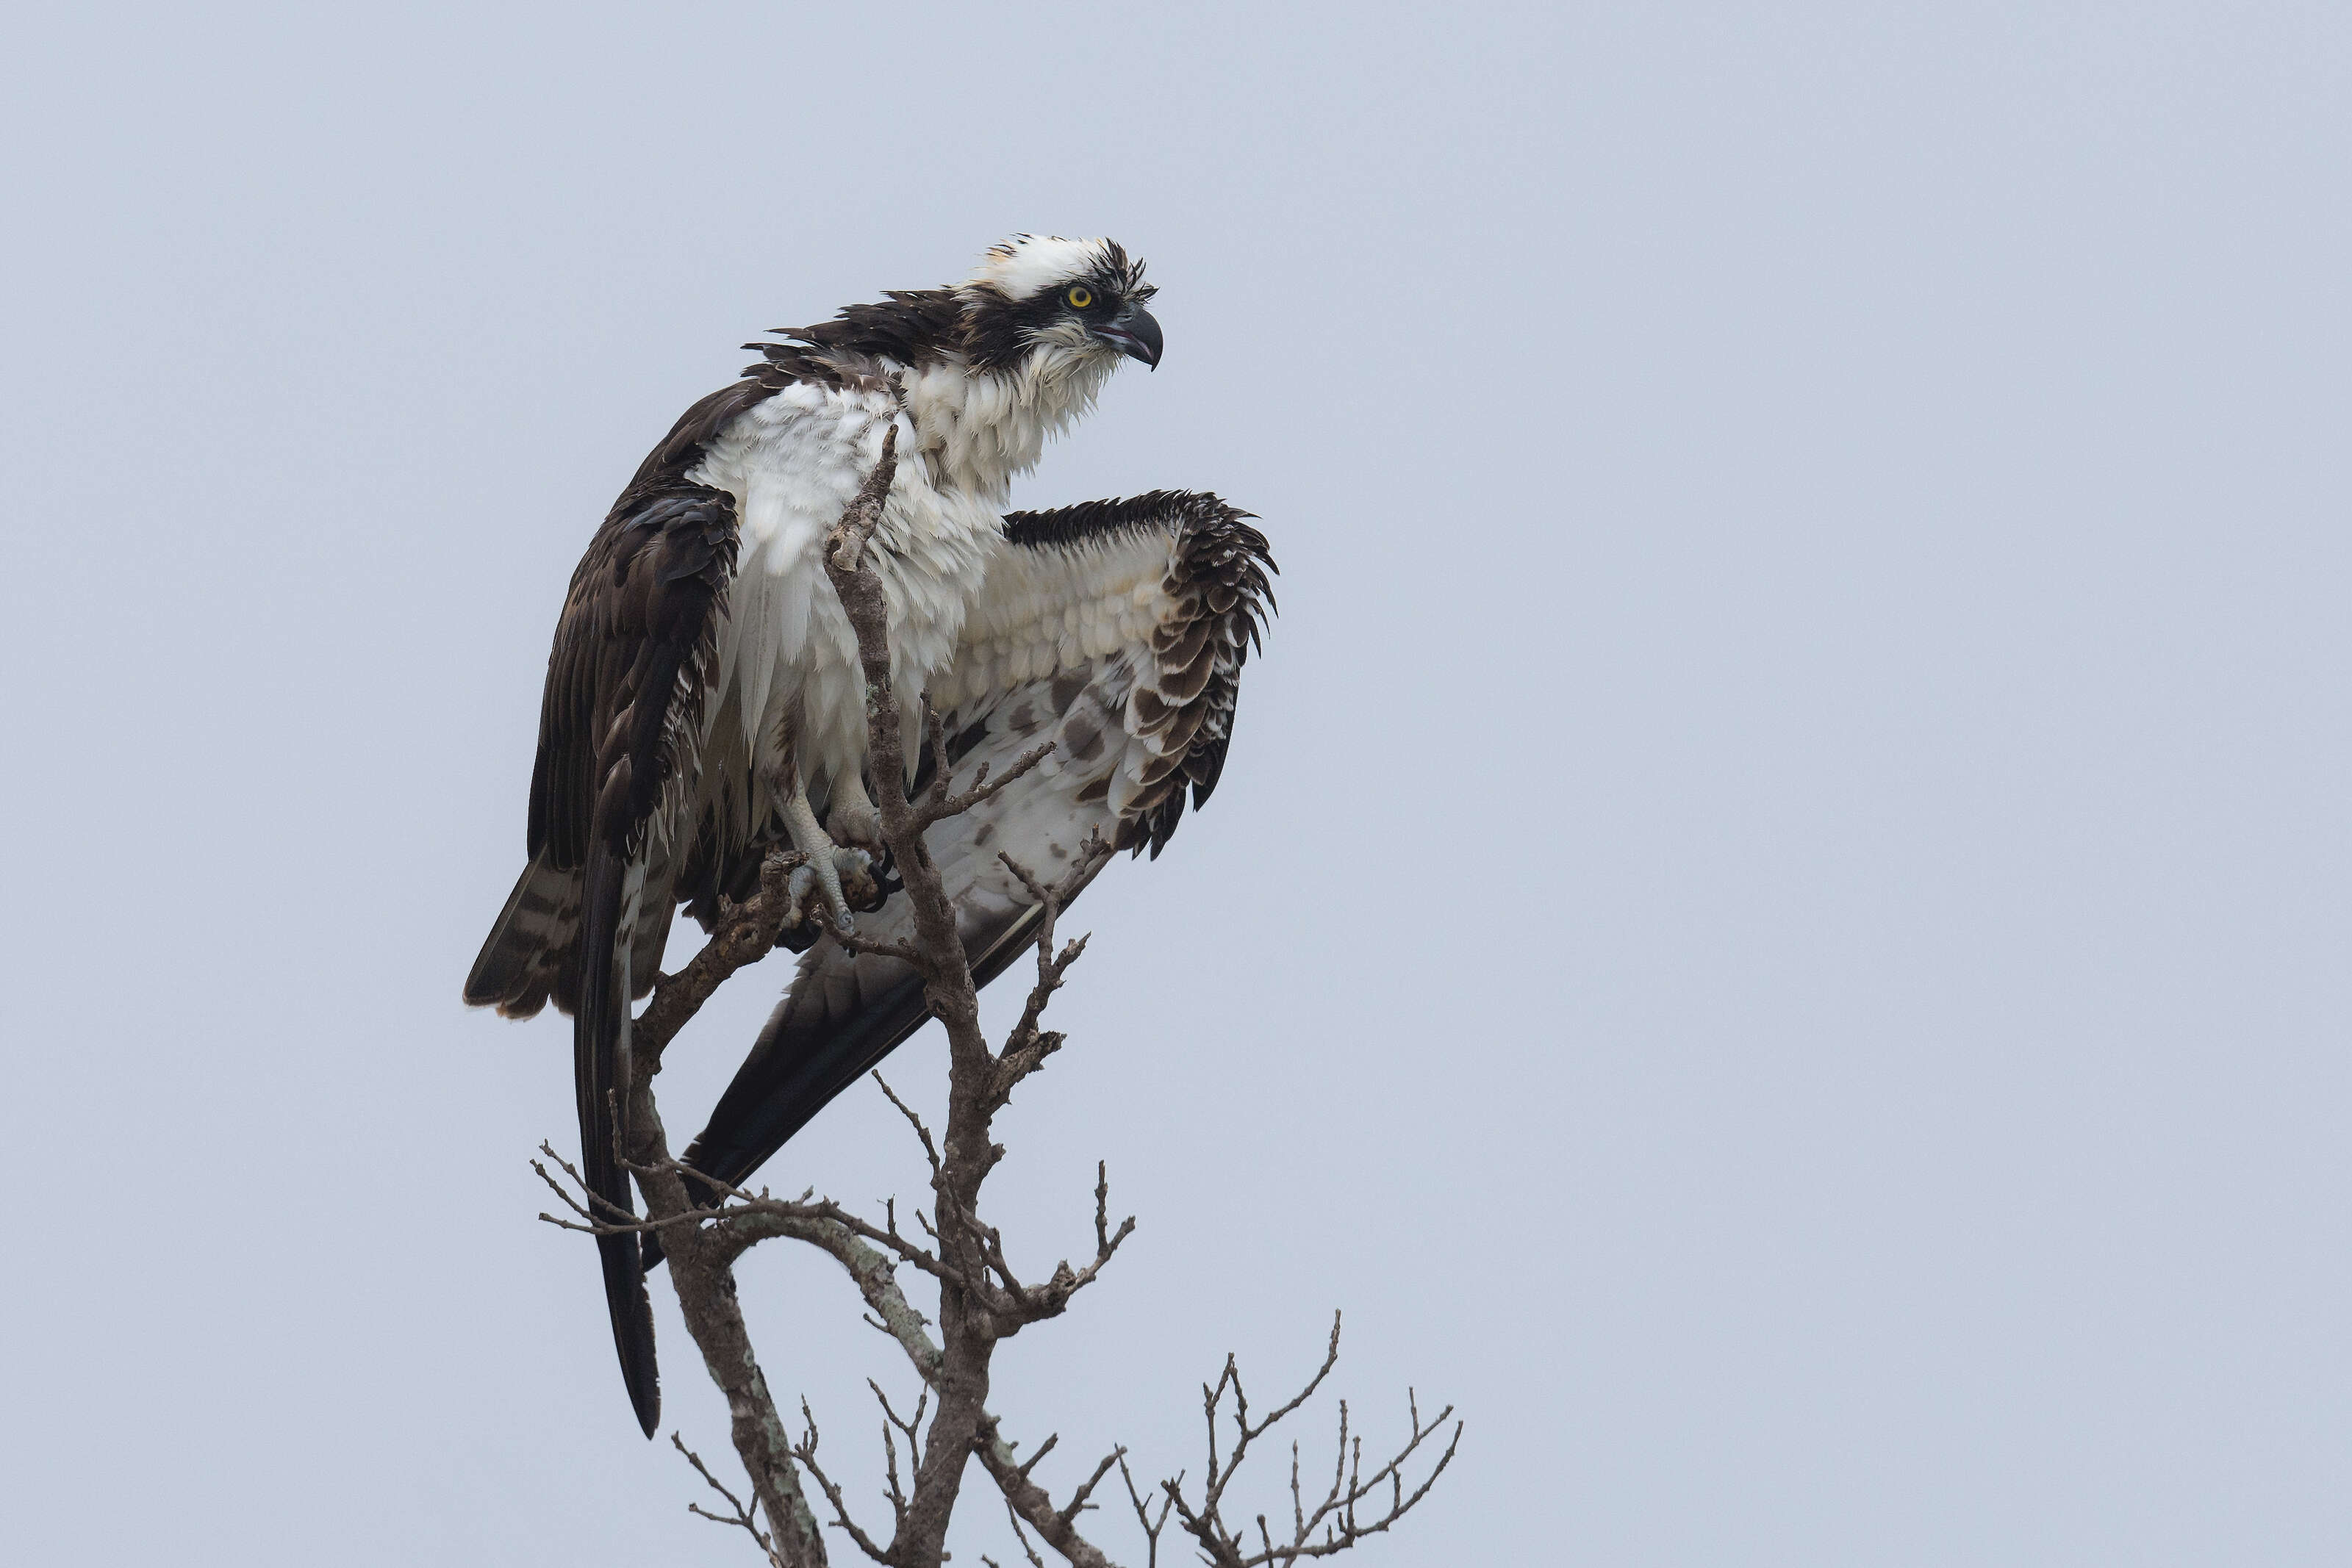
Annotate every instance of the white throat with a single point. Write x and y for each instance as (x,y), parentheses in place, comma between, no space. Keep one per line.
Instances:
(977,429)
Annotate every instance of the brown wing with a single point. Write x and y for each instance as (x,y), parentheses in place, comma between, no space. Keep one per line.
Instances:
(618,719)
(637,600)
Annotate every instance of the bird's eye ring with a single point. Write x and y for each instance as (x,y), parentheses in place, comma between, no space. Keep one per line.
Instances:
(1080,297)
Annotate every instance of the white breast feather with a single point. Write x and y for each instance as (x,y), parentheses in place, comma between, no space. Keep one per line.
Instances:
(788,658)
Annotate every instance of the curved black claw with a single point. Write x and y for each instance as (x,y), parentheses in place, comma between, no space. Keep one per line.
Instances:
(887,880)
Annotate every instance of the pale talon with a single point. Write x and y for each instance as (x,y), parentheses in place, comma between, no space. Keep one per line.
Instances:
(853,819)
(798,887)
(825,858)
(828,879)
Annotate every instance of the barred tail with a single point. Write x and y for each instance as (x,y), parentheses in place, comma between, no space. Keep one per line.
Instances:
(530,951)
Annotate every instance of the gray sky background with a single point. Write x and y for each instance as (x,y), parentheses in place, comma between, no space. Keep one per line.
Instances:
(1776,927)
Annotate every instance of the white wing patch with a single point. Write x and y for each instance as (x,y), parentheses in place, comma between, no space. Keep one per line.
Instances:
(1042,611)
(1116,630)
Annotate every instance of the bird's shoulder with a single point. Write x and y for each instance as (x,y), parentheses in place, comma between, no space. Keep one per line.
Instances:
(792,393)
(853,359)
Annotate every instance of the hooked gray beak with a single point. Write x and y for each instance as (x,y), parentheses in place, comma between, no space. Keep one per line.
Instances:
(1134,334)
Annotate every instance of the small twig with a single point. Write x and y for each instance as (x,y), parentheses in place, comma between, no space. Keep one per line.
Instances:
(1335,1518)
(1151,1527)
(1078,1504)
(742,1516)
(1027,1046)
(938,804)
(805,1453)
(880,947)
(1023,1537)
(1043,1448)
(930,1149)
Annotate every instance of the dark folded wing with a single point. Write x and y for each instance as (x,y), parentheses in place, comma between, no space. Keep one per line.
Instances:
(641,602)
(619,722)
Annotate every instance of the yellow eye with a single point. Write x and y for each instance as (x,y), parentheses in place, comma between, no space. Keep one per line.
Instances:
(1079,299)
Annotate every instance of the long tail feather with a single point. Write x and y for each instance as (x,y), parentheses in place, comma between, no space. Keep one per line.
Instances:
(599,1065)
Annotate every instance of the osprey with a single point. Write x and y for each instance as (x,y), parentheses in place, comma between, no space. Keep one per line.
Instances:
(704,703)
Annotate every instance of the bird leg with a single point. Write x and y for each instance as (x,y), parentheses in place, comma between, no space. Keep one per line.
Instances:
(829,863)
(852,818)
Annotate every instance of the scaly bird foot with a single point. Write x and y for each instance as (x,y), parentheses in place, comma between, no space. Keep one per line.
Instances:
(842,882)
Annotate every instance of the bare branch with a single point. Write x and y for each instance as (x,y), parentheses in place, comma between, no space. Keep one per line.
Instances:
(744,1219)
(922,1133)
(1078,1504)
(1151,1527)
(1043,1448)
(1030,1503)
(942,799)
(1022,1536)
(740,1516)
(969,1328)
(876,947)
(746,933)
(1335,1522)
(935,736)
(1027,1046)
(805,1453)
(939,805)
(864,513)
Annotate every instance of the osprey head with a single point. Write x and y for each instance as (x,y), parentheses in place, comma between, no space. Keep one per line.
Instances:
(1076,301)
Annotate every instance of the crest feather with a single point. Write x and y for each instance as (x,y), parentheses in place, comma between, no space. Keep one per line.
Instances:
(1025,265)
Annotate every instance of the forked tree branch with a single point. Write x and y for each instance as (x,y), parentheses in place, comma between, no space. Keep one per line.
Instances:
(983,1300)
(740,1516)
